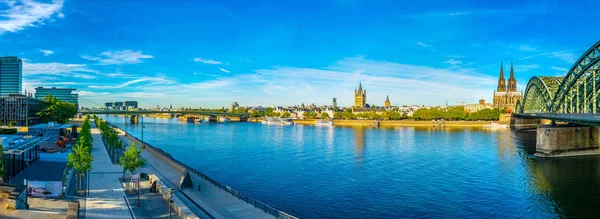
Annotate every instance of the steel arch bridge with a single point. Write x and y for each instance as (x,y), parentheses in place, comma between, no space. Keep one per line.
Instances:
(575,93)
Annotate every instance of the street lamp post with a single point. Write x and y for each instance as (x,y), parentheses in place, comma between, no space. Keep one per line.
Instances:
(143,146)
(27,185)
(170,201)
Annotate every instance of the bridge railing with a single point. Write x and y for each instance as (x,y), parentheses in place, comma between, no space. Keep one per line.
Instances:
(256,203)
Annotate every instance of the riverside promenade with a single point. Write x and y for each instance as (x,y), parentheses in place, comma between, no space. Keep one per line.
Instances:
(210,202)
(106,198)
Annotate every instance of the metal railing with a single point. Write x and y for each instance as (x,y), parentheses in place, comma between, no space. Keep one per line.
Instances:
(257,204)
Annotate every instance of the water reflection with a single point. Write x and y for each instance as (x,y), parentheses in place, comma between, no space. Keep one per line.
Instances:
(572,183)
(359,144)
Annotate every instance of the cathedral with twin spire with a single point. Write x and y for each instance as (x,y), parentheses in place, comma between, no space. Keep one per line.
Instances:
(506,96)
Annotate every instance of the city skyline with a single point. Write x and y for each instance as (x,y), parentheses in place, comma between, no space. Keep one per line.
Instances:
(200,54)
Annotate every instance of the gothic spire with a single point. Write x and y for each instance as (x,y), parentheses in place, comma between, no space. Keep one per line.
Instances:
(512,82)
(360,87)
(501,80)
(501,71)
(387,98)
(512,73)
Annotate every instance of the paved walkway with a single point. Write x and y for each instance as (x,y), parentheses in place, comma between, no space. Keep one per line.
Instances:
(106,198)
(217,202)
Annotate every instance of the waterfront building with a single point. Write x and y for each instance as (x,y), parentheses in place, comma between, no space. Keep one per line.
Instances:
(130,104)
(20,109)
(506,97)
(63,94)
(11,75)
(234,106)
(477,106)
(109,105)
(360,97)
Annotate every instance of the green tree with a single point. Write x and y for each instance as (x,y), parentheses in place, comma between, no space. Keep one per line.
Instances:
(306,114)
(286,115)
(12,124)
(56,110)
(324,115)
(131,159)
(80,159)
(268,111)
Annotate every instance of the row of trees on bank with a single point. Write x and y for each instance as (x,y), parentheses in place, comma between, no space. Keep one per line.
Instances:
(80,158)
(131,159)
(386,115)
(455,113)
(110,136)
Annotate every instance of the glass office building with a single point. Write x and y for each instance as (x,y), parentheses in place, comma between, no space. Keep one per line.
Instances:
(11,74)
(63,94)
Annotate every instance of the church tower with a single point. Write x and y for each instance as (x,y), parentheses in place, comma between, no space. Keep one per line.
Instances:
(512,82)
(360,97)
(501,81)
(387,103)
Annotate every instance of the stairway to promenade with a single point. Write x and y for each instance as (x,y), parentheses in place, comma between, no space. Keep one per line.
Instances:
(210,202)
(106,198)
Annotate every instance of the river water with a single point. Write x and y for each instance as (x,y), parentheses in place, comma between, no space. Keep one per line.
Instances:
(339,172)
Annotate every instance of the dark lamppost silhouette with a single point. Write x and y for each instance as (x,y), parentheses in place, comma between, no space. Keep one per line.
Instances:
(28,162)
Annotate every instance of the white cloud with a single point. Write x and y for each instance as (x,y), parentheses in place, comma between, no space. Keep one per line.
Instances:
(56,68)
(563,70)
(224,70)
(46,52)
(526,48)
(565,56)
(195,73)
(27,13)
(424,45)
(152,80)
(90,93)
(119,57)
(458,13)
(453,62)
(524,68)
(207,61)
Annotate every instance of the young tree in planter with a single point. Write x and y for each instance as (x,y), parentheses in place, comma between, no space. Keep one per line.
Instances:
(131,159)
(80,159)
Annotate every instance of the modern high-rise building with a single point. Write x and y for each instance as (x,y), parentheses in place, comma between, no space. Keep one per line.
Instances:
(63,94)
(334,103)
(125,105)
(11,75)
(131,104)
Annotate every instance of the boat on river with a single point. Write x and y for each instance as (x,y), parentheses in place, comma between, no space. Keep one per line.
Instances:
(276,121)
(495,126)
(224,119)
(324,123)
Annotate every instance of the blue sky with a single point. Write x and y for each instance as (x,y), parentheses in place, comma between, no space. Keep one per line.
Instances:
(211,53)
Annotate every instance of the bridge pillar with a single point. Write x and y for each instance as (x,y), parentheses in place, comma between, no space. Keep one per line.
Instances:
(555,140)
(133,119)
(518,123)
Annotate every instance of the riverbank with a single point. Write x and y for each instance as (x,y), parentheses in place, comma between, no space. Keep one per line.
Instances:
(207,197)
(394,123)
